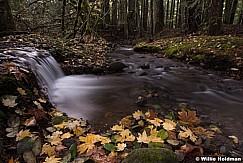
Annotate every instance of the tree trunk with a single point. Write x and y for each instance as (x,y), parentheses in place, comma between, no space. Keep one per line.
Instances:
(114,13)
(227,11)
(131,17)
(6,19)
(215,20)
(167,12)
(77,17)
(232,14)
(152,18)
(106,12)
(145,15)
(240,20)
(158,16)
(177,13)
(63,16)
(172,9)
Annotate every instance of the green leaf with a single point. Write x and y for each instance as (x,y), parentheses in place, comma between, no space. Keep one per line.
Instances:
(157,106)
(170,116)
(109,146)
(67,158)
(163,134)
(37,147)
(25,144)
(58,119)
(73,150)
(173,142)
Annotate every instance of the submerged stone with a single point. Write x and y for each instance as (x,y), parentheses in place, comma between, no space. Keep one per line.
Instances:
(151,155)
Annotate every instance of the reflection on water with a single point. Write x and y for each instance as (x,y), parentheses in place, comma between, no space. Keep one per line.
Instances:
(93,97)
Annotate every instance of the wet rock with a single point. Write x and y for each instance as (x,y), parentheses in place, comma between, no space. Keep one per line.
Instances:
(145,66)
(223,150)
(97,70)
(167,68)
(116,66)
(141,101)
(143,73)
(153,155)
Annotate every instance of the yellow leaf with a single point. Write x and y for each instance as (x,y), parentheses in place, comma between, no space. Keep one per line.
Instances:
(234,139)
(78,131)
(35,90)
(169,125)
(105,140)
(121,146)
(42,100)
(83,147)
(9,101)
(48,149)
(90,138)
(52,159)
(143,138)
(21,91)
(187,133)
(55,138)
(30,122)
(117,128)
(22,134)
(137,114)
(66,135)
(156,121)
(127,135)
(61,125)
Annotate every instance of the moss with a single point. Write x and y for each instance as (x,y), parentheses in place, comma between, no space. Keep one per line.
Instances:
(151,155)
(148,48)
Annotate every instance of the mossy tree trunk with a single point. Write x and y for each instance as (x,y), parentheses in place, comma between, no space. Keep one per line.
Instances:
(6,19)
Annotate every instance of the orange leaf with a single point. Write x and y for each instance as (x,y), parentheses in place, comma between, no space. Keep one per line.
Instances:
(188,117)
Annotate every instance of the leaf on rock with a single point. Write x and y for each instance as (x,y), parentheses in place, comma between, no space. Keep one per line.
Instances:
(189,117)
(163,134)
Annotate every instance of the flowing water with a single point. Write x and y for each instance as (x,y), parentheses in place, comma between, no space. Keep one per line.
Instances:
(106,99)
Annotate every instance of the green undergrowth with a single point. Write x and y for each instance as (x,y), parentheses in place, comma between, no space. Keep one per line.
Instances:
(220,53)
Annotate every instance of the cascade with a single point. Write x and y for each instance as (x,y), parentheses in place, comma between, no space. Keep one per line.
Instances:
(43,65)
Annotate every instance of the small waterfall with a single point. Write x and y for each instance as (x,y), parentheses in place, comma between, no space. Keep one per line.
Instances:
(43,65)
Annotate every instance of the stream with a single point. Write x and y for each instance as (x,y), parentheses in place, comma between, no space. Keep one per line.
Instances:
(106,99)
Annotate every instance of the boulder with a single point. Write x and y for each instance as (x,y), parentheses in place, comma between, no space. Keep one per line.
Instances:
(151,155)
(116,66)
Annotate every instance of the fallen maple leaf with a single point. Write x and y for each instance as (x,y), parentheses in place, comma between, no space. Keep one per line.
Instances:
(117,128)
(137,114)
(66,135)
(169,125)
(52,159)
(9,101)
(22,134)
(143,138)
(156,121)
(189,117)
(78,131)
(21,91)
(48,149)
(121,146)
(187,133)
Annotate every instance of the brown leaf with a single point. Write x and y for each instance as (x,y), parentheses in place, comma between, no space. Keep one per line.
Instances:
(189,117)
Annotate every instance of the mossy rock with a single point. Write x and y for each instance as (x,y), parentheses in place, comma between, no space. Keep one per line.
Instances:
(116,66)
(148,48)
(151,155)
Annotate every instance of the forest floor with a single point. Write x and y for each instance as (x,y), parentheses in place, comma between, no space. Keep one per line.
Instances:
(35,130)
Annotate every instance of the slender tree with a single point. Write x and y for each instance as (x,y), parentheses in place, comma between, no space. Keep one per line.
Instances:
(6,19)
(158,16)
(131,17)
